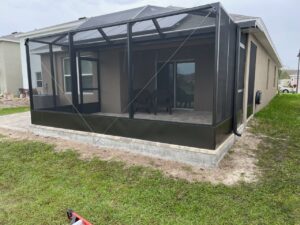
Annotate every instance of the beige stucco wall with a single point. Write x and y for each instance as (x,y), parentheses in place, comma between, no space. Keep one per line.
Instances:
(263,81)
(10,68)
(110,81)
(114,79)
(62,97)
(201,52)
(2,70)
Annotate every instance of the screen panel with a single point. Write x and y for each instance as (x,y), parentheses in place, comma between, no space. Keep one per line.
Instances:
(226,63)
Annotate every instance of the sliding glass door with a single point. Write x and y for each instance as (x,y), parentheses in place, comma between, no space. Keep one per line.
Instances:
(89,84)
(177,81)
(185,85)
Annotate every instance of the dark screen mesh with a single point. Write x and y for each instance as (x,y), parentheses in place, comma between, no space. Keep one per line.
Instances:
(172,70)
(226,62)
(41,79)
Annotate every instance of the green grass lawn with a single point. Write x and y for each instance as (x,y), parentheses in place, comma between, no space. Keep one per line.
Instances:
(37,185)
(6,111)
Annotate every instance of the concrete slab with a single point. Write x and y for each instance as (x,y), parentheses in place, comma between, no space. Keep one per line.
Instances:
(192,156)
(18,121)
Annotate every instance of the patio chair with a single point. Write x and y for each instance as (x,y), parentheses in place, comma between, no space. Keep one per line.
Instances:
(162,99)
(142,101)
(184,100)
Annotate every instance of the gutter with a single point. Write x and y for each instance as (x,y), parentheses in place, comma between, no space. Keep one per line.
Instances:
(8,40)
(53,29)
(257,25)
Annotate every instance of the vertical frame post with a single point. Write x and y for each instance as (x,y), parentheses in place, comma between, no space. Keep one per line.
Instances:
(52,75)
(98,80)
(216,72)
(80,82)
(236,78)
(129,68)
(73,69)
(29,75)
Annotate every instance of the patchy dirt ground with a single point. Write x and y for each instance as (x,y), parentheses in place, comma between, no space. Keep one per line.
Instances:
(238,165)
(9,101)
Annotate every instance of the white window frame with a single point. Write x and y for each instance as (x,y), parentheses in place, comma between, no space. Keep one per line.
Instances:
(41,80)
(69,75)
(85,75)
(66,75)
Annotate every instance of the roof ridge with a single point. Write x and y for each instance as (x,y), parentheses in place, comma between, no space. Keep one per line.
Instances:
(142,10)
(148,7)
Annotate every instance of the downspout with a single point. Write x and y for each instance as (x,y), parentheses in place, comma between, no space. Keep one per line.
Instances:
(246,83)
(236,80)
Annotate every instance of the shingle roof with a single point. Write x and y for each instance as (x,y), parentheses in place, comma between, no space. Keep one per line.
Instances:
(171,23)
(10,37)
(291,72)
(168,24)
(139,12)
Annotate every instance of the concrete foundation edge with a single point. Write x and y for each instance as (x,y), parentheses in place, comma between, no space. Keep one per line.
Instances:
(193,156)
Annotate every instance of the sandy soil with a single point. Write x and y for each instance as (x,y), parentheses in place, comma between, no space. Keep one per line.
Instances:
(238,165)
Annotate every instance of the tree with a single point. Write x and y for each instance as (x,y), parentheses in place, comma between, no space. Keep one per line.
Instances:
(283,75)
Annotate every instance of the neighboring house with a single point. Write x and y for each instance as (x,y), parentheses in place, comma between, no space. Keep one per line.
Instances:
(185,77)
(284,82)
(10,65)
(294,80)
(291,72)
(35,61)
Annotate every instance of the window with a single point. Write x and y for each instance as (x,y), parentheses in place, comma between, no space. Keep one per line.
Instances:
(275,73)
(87,74)
(185,85)
(268,71)
(39,80)
(67,75)
(86,71)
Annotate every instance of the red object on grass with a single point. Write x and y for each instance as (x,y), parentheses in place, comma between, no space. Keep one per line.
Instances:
(74,217)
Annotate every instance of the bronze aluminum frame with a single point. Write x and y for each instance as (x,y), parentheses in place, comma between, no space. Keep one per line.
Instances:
(215,9)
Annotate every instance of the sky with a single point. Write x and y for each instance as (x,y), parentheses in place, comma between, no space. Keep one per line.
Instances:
(282,18)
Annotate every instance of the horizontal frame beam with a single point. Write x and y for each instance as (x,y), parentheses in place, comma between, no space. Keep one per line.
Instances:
(59,38)
(157,26)
(162,15)
(46,43)
(213,6)
(103,34)
(148,38)
(88,58)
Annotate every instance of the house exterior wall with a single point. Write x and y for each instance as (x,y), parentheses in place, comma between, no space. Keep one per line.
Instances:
(114,78)
(41,32)
(264,77)
(10,62)
(63,98)
(110,81)
(199,52)
(2,70)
